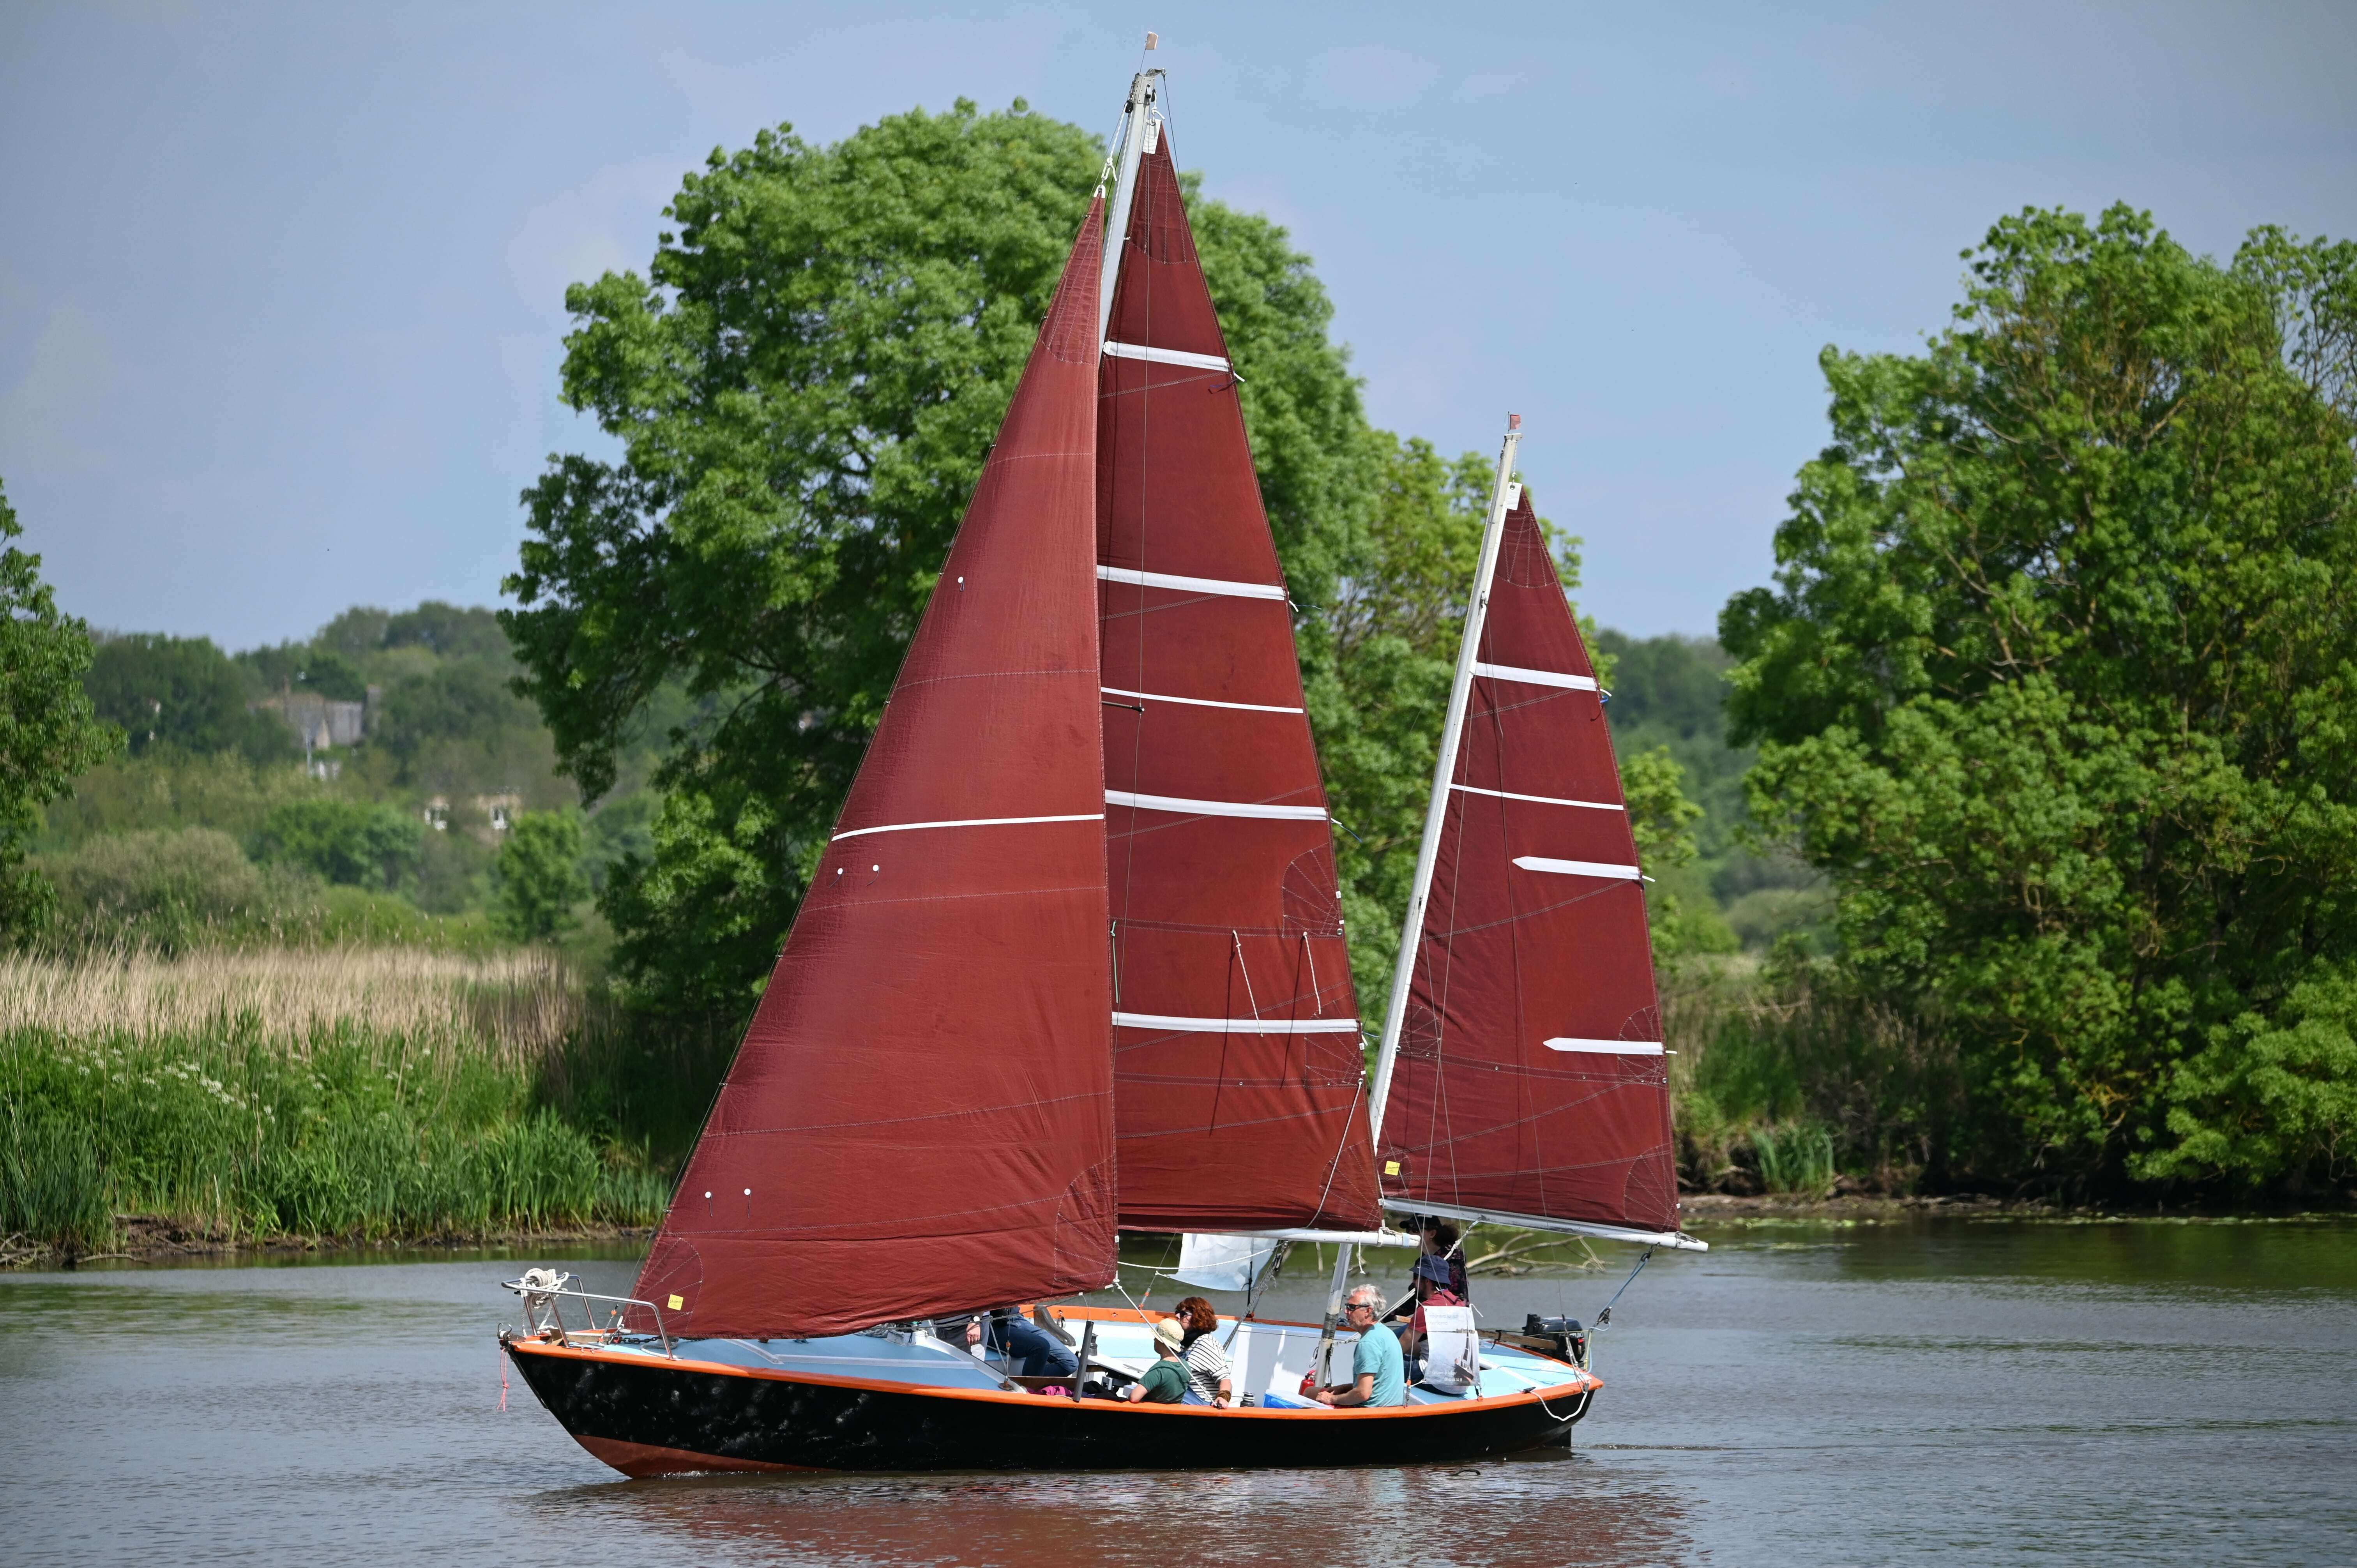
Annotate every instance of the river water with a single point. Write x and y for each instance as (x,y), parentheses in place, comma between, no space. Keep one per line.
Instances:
(1942,1390)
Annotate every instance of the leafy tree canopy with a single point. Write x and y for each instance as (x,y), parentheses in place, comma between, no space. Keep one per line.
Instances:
(538,878)
(804,387)
(2056,684)
(48,731)
(346,842)
(322,667)
(182,692)
(458,701)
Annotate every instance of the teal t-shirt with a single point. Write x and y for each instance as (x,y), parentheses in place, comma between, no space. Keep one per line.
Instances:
(1379,1352)
(1165,1380)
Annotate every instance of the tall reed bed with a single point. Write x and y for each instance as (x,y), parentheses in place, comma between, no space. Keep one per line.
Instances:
(1786,1079)
(354,1093)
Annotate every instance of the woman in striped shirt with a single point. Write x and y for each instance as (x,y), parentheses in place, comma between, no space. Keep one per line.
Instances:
(1207,1361)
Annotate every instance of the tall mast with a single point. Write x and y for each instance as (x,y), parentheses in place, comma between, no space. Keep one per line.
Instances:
(1444,772)
(1143,90)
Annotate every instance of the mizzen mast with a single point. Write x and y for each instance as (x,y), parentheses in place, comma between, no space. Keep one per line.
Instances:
(1503,494)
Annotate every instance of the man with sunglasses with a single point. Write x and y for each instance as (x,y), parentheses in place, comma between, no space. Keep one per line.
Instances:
(1377,1369)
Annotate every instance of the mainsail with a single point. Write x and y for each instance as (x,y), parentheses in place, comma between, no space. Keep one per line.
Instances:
(1528,1081)
(920,1117)
(1239,1079)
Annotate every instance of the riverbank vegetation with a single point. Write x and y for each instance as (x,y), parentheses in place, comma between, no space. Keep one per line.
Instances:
(241,1097)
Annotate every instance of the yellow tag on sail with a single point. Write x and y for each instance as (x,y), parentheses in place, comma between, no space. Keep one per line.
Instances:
(1390,1167)
(673,1305)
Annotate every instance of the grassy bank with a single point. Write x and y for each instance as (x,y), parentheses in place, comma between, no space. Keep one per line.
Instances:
(366,1094)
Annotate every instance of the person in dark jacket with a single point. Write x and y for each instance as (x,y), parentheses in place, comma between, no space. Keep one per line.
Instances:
(1441,1241)
(1431,1290)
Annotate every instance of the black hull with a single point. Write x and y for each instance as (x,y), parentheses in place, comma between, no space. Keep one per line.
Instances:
(646,1417)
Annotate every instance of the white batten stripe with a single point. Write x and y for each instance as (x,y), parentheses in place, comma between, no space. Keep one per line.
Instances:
(1164,356)
(1539,800)
(1193,584)
(1536,677)
(1216,808)
(1194,702)
(1609,1047)
(1235,1025)
(1579,867)
(966,822)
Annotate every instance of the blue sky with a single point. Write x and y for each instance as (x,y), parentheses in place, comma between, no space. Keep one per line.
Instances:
(281,286)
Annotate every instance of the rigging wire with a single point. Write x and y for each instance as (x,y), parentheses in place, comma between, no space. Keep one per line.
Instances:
(1603,1318)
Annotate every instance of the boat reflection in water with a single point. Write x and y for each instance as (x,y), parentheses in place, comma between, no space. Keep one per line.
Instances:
(1534,1512)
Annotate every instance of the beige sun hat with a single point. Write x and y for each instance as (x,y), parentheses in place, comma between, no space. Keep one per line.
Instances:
(1169,1332)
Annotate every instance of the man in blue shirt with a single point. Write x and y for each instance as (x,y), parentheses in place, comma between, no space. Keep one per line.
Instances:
(1376,1365)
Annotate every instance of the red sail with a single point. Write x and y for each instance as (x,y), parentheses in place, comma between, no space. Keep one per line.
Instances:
(920,1117)
(1530,1077)
(1239,1079)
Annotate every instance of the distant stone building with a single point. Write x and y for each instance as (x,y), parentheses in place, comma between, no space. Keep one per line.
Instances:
(322,722)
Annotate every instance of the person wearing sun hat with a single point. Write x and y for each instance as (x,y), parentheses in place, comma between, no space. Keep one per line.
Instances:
(1165,1381)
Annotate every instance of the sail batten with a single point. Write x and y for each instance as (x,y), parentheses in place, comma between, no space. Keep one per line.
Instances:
(1239,1077)
(1190,585)
(1529,1082)
(920,1116)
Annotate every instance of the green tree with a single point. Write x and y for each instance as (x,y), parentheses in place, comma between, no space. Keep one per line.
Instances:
(169,890)
(1377,658)
(454,631)
(322,667)
(346,842)
(49,732)
(355,634)
(183,692)
(538,878)
(2056,684)
(804,388)
(1662,819)
(462,701)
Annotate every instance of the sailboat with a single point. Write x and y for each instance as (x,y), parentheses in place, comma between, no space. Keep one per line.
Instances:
(1075,965)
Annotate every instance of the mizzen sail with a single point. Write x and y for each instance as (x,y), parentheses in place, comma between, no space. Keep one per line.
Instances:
(1529,1076)
(1239,1078)
(920,1117)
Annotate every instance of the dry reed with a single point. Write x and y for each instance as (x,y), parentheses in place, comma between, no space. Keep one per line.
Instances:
(525,1003)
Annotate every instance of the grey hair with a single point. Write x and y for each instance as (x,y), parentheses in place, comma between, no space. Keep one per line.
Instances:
(1372,1295)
